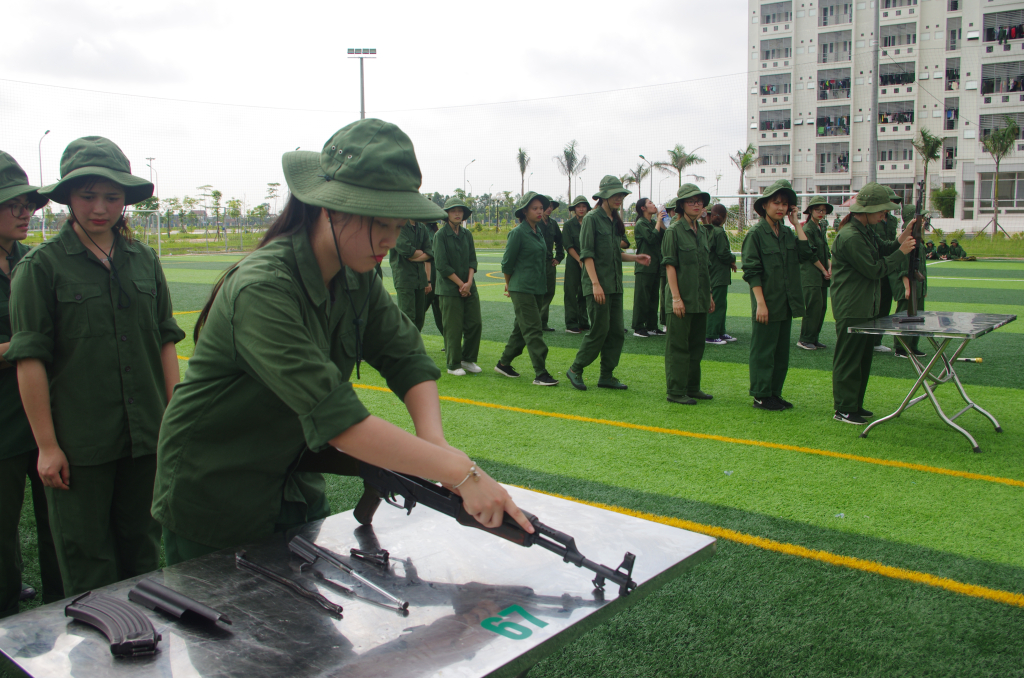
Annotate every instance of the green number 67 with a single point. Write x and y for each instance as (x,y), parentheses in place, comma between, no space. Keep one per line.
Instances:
(510,629)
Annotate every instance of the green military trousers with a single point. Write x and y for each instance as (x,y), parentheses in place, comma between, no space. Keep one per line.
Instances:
(666,304)
(684,350)
(884,308)
(769,356)
(413,302)
(912,342)
(462,329)
(645,302)
(716,320)
(102,527)
(604,338)
(527,332)
(552,278)
(13,472)
(434,302)
(815,308)
(851,366)
(574,302)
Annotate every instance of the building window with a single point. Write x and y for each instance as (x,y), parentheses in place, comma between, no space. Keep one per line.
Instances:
(778,48)
(892,151)
(835,14)
(833,158)
(775,120)
(776,84)
(896,74)
(899,35)
(953,33)
(990,123)
(949,153)
(1011,192)
(1002,27)
(895,112)
(774,155)
(834,83)
(1001,78)
(832,121)
(953,74)
(776,12)
(834,47)
(951,113)
(843,189)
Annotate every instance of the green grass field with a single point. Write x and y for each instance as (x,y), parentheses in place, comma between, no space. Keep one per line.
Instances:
(899,554)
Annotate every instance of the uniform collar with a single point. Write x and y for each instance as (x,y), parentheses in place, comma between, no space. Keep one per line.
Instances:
(72,245)
(309,270)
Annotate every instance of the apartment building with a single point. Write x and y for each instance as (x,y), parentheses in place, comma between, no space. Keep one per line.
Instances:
(955,67)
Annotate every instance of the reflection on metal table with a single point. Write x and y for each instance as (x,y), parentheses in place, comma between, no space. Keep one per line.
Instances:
(940,329)
(479,605)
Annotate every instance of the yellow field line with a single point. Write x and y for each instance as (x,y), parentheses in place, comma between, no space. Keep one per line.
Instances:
(184,312)
(995,595)
(725,439)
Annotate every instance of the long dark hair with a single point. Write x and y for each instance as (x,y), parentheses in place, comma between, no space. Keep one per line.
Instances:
(640,205)
(87,182)
(844,221)
(620,228)
(297,216)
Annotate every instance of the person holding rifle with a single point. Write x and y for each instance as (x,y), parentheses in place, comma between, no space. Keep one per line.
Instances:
(901,280)
(816,274)
(575,303)
(886,231)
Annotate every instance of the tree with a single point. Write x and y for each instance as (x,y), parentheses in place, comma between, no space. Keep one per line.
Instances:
(638,174)
(678,160)
(150,204)
(260,214)
(929,147)
(744,159)
(570,163)
(187,211)
(998,144)
(173,206)
(216,196)
(234,209)
(523,160)
(272,193)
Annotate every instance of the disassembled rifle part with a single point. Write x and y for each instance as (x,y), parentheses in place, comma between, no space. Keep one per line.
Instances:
(156,596)
(129,631)
(242,563)
(381,558)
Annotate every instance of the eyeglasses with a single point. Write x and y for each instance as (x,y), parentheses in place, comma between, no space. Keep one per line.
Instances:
(694,201)
(19,209)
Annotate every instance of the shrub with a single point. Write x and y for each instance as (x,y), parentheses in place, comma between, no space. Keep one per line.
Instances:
(944,200)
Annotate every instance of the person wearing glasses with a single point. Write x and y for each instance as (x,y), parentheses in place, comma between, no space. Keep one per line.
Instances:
(19,456)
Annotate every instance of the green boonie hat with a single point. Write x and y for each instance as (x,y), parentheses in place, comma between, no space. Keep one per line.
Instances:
(609,186)
(909,212)
(554,203)
(687,191)
(780,185)
(872,198)
(101,158)
(943,240)
(14,182)
(453,202)
(819,200)
(893,197)
(525,201)
(367,168)
(579,200)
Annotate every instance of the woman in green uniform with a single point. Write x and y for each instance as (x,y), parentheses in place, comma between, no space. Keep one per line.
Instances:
(525,265)
(721,265)
(772,255)
(886,231)
(94,341)
(574,302)
(455,258)
(409,260)
(552,240)
(267,397)
(601,250)
(648,232)
(955,251)
(900,282)
(685,253)
(19,456)
(859,261)
(816,274)
(433,301)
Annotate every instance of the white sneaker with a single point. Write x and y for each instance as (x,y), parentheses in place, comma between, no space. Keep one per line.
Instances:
(459,372)
(882,349)
(471,367)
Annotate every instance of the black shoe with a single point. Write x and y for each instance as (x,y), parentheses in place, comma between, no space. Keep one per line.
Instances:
(848,418)
(820,345)
(660,332)
(367,505)
(576,380)
(611,382)
(545,379)
(769,403)
(505,370)
(899,354)
(27,593)
(700,395)
(571,330)
(548,329)
(681,400)
(786,405)
(866,413)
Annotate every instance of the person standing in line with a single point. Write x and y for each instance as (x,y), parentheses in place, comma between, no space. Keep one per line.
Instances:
(686,254)
(722,264)
(525,265)
(886,231)
(900,282)
(94,336)
(665,302)
(409,260)
(648,232)
(772,255)
(835,223)
(816,274)
(19,454)
(601,250)
(552,239)
(859,261)
(575,303)
(455,259)
(433,301)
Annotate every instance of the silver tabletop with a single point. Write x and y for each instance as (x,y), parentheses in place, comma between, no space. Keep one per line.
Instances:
(479,606)
(939,324)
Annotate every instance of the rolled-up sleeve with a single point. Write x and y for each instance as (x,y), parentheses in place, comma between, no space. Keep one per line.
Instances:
(753,267)
(441,259)
(32,308)
(668,249)
(472,253)
(170,333)
(405,245)
(511,255)
(806,251)
(588,239)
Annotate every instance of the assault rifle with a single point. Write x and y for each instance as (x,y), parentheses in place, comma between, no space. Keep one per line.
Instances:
(414,490)
(914,259)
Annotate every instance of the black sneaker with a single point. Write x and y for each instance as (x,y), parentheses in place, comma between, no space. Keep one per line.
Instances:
(548,329)
(681,400)
(545,379)
(807,346)
(820,345)
(899,354)
(27,593)
(700,395)
(571,330)
(866,413)
(769,403)
(659,332)
(641,334)
(786,405)
(367,505)
(505,370)
(848,418)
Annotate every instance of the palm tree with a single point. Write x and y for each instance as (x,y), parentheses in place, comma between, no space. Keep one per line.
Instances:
(998,144)
(929,147)
(744,159)
(524,161)
(678,160)
(638,174)
(570,163)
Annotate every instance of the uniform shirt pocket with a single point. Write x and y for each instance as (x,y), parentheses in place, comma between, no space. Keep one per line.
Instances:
(81,311)
(687,251)
(145,299)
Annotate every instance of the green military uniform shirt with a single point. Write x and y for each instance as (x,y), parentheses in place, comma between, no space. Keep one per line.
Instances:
(15,433)
(887,230)
(552,239)
(720,256)
(453,254)
(687,251)
(410,274)
(896,276)
(571,235)
(817,237)
(269,379)
(773,264)
(648,241)
(600,242)
(525,260)
(107,388)
(942,250)
(957,252)
(859,261)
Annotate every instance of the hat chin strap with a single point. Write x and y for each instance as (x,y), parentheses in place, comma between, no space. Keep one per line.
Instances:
(358,320)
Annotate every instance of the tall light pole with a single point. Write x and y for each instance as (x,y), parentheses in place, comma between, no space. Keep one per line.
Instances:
(579,182)
(464,174)
(362,53)
(651,172)
(528,182)
(149,164)
(43,219)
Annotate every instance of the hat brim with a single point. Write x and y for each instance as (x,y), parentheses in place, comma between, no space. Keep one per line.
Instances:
(521,211)
(604,195)
(135,188)
(871,209)
(581,202)
(307,182)
(829,209)
(759,203)
(706,197)
(31,192)
(467,213)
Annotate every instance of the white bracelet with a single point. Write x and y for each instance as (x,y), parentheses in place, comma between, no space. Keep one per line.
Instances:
(472,472)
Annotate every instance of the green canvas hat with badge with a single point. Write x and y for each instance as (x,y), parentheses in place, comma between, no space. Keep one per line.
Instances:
(554,203)
(525,201)
(453,202)
(579,200)
(872,198)
(782,186)
(819,200)
(908,213)
(609,186)
(367,168)
(14,182)
(102,159)
(893,197)
(687,191)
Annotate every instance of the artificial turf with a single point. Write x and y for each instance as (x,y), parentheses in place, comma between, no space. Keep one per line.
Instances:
(751,611)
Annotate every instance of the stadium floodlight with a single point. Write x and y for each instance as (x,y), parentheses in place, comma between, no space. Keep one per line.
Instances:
(651,172)
(464,174)
(362,53)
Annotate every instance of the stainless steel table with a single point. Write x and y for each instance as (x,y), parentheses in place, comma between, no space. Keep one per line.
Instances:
(479,606)
(940,329)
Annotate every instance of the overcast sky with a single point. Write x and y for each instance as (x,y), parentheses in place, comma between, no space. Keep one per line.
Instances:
(465,80)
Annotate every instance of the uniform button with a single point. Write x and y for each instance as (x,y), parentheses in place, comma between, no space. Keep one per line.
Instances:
(124,337)
(78,297)
(153,292)
(128,369)
(131,401)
